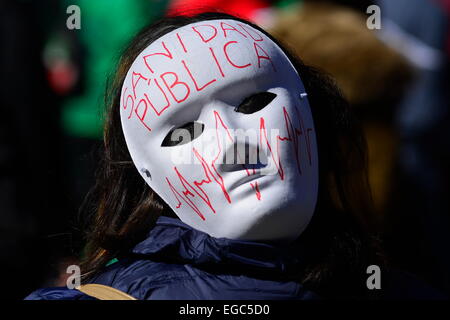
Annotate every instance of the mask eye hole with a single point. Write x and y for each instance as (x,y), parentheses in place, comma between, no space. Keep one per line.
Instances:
(183,134)
(255,102)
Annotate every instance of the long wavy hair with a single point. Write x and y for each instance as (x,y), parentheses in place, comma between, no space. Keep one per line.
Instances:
(121,208)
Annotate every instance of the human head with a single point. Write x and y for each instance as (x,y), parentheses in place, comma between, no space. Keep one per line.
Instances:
(233,96)
(125,207)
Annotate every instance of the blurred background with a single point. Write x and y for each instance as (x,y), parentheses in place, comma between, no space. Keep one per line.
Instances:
(53,78)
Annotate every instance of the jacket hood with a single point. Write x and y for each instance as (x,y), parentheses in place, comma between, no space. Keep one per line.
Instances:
(173,241)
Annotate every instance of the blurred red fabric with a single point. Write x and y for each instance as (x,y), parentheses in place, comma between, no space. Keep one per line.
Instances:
(243,9)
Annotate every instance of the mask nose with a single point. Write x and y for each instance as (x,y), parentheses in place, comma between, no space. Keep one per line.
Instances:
(242,154)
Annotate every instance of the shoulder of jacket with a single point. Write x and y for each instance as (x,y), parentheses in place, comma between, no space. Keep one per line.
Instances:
(58,293)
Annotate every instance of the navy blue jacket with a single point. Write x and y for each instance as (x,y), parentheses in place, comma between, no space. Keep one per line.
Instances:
(176,261)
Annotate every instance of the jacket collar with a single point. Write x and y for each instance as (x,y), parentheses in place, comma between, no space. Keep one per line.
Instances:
(173,241)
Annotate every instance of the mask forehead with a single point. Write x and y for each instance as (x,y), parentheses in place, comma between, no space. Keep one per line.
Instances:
(180,72)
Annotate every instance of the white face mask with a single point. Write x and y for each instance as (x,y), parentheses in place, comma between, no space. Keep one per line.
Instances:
(197,105)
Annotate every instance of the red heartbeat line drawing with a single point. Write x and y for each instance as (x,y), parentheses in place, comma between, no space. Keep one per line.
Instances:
(192,190)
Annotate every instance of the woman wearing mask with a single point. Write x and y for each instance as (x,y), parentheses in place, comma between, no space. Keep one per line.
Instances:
(231,170)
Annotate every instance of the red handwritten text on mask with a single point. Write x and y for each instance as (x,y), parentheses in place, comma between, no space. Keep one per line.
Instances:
(160,89)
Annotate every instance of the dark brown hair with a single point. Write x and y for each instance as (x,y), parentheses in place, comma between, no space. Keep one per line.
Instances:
(122,208)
